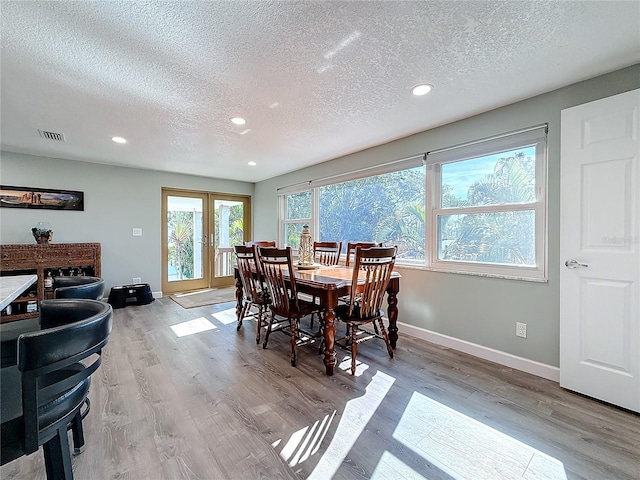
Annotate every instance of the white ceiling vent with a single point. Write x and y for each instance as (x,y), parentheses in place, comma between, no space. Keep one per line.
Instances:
(56,137)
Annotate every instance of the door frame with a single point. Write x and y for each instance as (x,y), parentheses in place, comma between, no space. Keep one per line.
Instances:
(208,252)
(183,285)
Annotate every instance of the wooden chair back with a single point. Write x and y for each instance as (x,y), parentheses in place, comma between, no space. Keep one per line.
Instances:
(249,271)
(376,264)
(261,243)
(351,249)
(327,253)
(274,262)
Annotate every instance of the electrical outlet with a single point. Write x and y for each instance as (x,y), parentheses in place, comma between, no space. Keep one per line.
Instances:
(137,232)
(137,279)
(521,330)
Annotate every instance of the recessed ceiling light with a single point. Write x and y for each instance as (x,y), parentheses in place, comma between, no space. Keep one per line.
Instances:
(253,164)
(119,139)
(423,89)
(238,121)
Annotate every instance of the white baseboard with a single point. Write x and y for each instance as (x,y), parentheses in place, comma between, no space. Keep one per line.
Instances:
(507,359)
(157,294)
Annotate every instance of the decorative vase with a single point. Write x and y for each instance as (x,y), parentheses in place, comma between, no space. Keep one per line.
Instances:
(42,233)
(305,251)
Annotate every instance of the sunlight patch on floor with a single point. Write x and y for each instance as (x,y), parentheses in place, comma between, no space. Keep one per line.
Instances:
(197,292)
(227,317)
(466,448)
(345,365)
(356,415)
(305,442)
(391,466)
(197,325)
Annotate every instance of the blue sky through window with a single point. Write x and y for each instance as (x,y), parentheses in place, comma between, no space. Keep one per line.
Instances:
(461,175)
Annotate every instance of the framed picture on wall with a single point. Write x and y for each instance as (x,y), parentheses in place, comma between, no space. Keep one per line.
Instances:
(40,198)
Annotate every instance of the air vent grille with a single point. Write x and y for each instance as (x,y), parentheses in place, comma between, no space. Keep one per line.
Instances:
(56,137)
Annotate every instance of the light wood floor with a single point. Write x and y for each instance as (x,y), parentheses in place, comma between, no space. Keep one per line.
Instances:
(214,405)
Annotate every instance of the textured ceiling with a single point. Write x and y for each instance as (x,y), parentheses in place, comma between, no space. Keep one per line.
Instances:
(314,80)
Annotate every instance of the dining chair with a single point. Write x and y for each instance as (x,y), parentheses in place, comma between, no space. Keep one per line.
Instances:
(45,392)
(351,249)
(327,253)
(284,301)
(374,265)
(254,293)
(261,243)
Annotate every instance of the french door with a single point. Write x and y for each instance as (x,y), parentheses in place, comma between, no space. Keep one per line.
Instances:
(199,232)
(230,221)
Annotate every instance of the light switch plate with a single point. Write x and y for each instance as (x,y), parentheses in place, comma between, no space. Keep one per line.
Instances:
(137,232)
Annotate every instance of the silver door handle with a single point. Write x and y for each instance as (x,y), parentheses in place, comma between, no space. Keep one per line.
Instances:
(573,263)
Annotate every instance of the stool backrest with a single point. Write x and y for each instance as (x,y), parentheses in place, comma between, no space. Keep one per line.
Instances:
(78,287)
(49,361)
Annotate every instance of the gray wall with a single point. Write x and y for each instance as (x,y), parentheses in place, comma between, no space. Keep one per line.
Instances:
(116,200)
(476,309)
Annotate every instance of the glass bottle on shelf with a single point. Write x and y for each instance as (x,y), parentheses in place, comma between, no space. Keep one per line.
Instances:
(48,280)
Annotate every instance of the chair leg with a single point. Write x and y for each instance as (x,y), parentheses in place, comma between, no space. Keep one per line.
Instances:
(259,322)
(78,434)
(321,331)
(292,324)
(243,312)
(385,336)
(57,457)
(266,337)
(354,348)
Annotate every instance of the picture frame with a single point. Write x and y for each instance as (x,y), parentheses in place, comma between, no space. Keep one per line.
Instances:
(40,198)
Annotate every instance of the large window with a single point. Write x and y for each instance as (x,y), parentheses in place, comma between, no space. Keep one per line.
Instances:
(386,208)
(487,213)
(478,208)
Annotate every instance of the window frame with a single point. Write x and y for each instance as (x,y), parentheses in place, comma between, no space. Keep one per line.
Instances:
(512,141)
(312,221)
(503,143)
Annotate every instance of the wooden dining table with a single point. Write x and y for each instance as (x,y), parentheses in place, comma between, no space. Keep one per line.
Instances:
(328,284)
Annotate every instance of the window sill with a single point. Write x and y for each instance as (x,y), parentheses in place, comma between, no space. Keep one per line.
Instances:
(474,274)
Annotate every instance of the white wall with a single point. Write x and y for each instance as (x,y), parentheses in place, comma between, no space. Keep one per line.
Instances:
(116,200)
(479,310)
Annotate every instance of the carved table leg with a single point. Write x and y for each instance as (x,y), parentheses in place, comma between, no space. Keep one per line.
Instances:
(329,340)
(392,312)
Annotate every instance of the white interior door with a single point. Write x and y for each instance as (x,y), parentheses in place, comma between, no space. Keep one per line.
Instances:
(599,247)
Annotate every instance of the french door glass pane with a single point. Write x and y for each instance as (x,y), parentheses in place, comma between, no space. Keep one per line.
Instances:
(185,233)
(495,237)
(229,231)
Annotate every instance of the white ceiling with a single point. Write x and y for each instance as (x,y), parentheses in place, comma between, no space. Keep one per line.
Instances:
(314,80)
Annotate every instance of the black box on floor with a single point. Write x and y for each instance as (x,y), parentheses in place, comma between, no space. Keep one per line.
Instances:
(125,295)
